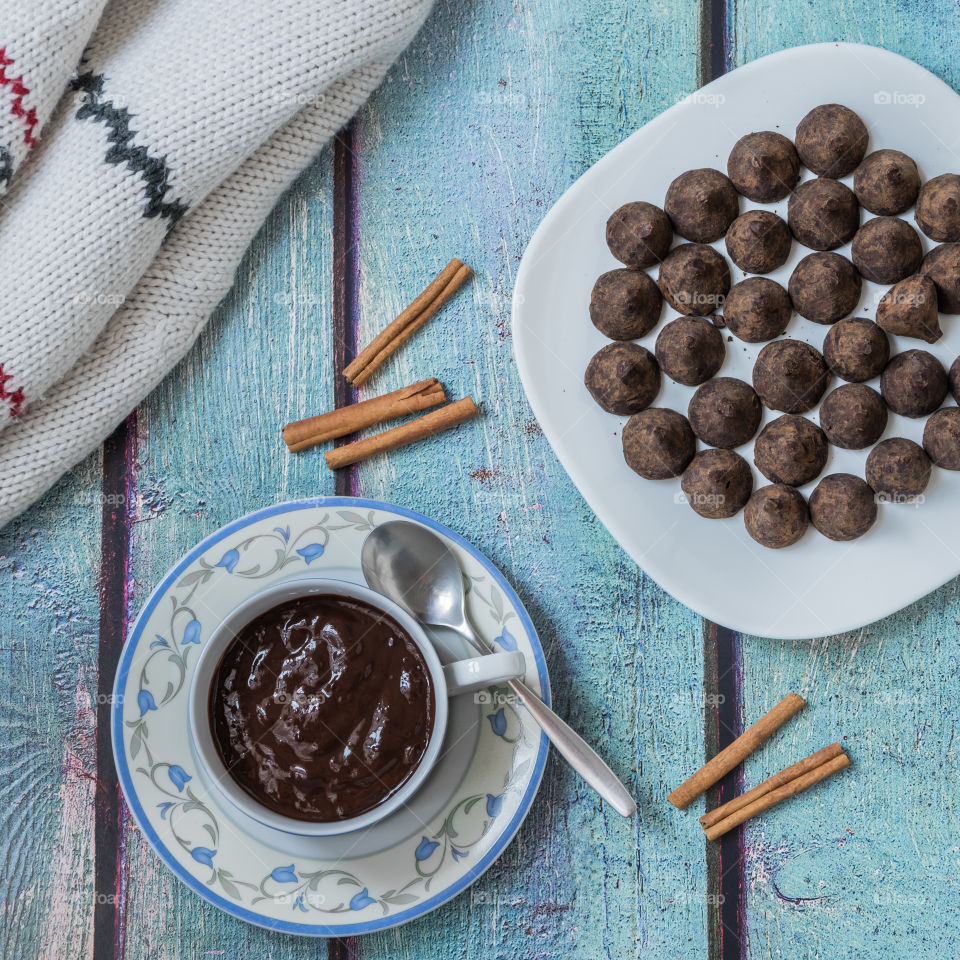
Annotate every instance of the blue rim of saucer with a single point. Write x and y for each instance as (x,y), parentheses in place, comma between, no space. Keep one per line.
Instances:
(317,929)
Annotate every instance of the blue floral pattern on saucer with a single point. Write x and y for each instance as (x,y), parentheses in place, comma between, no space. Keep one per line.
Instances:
(186,825)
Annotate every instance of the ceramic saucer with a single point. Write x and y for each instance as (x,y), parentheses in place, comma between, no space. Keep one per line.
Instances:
(413,861)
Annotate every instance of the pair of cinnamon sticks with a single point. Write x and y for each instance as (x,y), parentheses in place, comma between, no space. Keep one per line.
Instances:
(303,434)
(346,420)
(450,279)
(781,786)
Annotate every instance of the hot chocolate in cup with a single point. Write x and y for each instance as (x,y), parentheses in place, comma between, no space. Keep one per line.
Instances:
(319,707)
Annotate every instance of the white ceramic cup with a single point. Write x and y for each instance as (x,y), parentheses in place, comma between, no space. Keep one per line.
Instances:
(452,679)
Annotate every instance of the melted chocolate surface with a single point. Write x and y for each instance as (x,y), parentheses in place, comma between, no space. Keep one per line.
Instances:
(322,707)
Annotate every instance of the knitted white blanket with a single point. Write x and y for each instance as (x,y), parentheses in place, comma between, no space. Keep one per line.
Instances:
(141,147)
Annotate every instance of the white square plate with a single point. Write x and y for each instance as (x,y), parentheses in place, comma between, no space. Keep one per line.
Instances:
(816,587)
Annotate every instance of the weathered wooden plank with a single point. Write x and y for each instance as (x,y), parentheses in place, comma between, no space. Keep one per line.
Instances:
(862,864)
(48,694)
(491,115)
(919,29)
(866,861)
(210,450)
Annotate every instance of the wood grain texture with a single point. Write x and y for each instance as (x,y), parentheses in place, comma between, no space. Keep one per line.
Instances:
(522,102)
(49,562)
(862,864)
(484,122)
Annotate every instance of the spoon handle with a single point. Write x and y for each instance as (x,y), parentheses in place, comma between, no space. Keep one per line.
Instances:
(577,752)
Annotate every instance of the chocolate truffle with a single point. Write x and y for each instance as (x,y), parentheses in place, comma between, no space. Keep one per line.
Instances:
(843,507)
(658,443)
(856,349)
(954,379)
(831,140)
(909,309)
(701,204)
(886,249)
(639,234)
(717,483)
(942,266)
(886,183)
(853,416)
(690,350)
(938,208)
(757,309)
(824,287)
(776,516)
(914,383)
(758,241)
(898,470)
(823,214)
(694,279)
(790,375)
(724,412)
(791,450)
(941,438)
(764,166)
(623,378)
(625,304)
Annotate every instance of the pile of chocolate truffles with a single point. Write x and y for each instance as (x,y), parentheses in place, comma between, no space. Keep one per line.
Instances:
(790,376)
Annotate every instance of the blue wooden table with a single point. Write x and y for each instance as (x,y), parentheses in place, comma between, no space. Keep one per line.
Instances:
(478,129)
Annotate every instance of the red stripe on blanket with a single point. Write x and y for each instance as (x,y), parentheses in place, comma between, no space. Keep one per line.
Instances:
(27,116)
(15,399)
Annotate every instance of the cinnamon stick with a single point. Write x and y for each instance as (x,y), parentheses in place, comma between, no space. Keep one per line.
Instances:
(777,780)
(790,789)
(458,280)
(446,283)
(303,434)
(745,744)
(443,419)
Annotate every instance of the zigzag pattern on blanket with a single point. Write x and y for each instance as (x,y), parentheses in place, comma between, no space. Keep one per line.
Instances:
(14,399)
(26,115)
(40,46)
(153,170)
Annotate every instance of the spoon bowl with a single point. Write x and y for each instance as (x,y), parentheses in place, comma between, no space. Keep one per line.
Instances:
(411,564)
